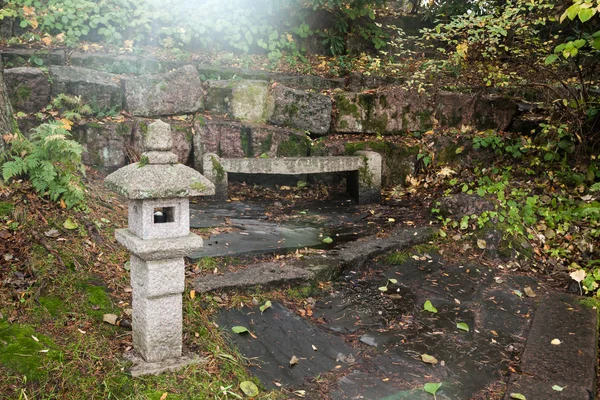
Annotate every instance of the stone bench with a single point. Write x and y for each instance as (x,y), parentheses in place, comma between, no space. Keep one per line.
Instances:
(364,180)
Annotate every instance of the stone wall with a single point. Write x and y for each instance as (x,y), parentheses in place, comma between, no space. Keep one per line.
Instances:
(234,112)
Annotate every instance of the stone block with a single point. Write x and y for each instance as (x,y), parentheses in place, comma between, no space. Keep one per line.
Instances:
(249,100)
(116,64)
(385,111)
(105,144)
(158,137)
(150,279)
(158,249)
(218,96)
(28,89)
(157,326)
(26,57)
(174,93)
(100,90)
(300,109)
(235,139)
(308,82)
(176,211)
(476,110)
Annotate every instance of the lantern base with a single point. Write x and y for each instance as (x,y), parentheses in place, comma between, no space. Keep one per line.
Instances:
(142,368)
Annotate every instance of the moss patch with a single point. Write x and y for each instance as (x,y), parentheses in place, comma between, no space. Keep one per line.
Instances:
(98,301)
(295,146)
(20,352)
(52,304)
(246,141)
(6,208)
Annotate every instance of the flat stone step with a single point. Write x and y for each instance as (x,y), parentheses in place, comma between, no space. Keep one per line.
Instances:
(571,364)
(258,237)
(265,275)
(355,254)
(315,268)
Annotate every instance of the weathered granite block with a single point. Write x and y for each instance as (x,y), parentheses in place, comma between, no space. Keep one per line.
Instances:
(157,326)
(174,93)
(25,57)
(249,100)
(300,109)
(116,64)
(28,88)
(181,136)
(157,278)
(175,211)
(100,90)
(218,96)
(235,139)
(476,110)
(388,110)
(104,143)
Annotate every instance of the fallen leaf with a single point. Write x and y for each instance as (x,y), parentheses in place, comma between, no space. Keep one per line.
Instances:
(481,243)
(517,396)
(110,318)
(578,275)
(164,396)
(529,292)
(463,326)
(52,233)
(192,294)
(300,393)
(518,293)
(327,240)
(34,338)
(265,306)
(432,388)
(293,361)
(429,307)
(555,342)
(429,359)
(249,388)
(314,347)
(239,329)
(558,388)
(70,224)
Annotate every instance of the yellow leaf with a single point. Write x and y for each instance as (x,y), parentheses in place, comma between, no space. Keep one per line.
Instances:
(192,294)
(290,38)
(164,396)
(47,40)
(66,124)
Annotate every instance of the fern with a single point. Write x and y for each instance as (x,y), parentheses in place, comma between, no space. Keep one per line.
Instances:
(51,161)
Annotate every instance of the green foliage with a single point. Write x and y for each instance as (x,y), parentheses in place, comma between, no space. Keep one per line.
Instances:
(71,107)
(50,161)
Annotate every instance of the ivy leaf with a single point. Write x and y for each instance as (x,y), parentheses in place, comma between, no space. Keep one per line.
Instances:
(249,388)
(463,326)
(585,14)
(429,307)
(550,59)
(265,306)
(239,329)
(432,388)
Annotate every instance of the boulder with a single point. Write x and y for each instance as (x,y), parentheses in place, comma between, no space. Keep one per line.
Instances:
(384,111)
(236,139)
(300,109)
(100,90)
(28,88)
(105,144)
(174,93)
(476,110)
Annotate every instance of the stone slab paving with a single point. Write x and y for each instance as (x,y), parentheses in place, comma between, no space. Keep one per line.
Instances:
(571,364)
(280,335)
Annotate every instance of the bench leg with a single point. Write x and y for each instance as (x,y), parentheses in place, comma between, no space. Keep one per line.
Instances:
(368,178)
(214,172)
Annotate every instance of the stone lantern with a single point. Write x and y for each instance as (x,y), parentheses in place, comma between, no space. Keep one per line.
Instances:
(158,237)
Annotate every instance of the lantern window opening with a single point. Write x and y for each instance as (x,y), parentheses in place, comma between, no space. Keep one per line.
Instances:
(164,215)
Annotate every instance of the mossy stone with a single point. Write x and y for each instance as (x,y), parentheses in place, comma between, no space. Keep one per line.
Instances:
(295,146)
